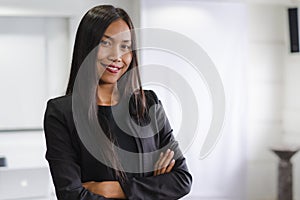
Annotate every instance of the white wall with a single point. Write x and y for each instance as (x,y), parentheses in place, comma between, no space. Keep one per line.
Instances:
(273,79)
(32,69)
(220,29)
(272,76)
(23,49)
(265,83)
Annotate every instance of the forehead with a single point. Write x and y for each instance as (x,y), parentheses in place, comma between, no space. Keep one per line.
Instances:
(118,29)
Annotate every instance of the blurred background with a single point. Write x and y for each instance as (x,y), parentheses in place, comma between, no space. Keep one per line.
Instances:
(249,43)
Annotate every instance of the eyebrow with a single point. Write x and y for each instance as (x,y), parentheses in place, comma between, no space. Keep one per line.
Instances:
(113,39)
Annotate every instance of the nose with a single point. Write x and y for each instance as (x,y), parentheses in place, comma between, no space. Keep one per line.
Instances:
(115,55)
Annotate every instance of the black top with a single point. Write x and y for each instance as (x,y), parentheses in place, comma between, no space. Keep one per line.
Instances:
(122,139)
(71,163)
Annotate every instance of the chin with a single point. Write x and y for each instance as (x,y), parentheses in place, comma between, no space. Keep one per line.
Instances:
(108,81)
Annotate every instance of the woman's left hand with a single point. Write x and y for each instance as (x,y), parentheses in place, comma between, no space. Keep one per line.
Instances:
(108,189)
(165,163)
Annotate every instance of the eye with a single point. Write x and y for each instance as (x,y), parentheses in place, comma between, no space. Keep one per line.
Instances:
(126,47)
(105,43)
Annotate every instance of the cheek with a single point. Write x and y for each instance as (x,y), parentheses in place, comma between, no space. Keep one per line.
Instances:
(127,58)
(102,54)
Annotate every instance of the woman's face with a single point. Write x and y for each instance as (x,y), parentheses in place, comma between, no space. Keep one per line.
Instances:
(114,54)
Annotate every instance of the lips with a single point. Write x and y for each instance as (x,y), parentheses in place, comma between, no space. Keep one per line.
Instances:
(113,68)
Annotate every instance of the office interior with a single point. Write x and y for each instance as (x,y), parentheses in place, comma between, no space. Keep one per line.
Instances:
(248,42)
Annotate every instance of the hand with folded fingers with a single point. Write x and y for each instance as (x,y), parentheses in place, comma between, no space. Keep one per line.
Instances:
(107,189)
(165,163)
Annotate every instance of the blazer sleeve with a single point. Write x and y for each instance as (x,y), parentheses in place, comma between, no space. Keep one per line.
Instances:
(172,185)
(62,158)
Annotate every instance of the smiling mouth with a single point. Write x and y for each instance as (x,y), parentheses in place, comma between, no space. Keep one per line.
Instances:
(113,68)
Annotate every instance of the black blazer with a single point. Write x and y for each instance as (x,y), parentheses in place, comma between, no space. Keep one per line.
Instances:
(71,164)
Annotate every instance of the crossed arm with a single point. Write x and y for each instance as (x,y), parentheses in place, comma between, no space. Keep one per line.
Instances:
(112,189)
(170,180)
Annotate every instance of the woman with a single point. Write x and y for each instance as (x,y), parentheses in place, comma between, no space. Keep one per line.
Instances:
(85,164)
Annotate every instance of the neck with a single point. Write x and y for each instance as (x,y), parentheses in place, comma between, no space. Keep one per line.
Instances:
(107,94)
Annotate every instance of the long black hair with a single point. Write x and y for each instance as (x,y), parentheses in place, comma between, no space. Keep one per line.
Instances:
(89,33)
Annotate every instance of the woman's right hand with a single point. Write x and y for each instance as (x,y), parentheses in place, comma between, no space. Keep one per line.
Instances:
(107,189)
(165,163)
